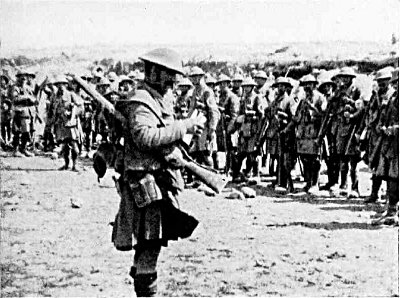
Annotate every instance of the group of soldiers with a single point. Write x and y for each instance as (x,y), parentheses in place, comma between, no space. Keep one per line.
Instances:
(253,118)
(270,123)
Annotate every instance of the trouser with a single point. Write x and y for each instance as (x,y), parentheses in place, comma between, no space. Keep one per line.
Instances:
(344,170)
(48,141)
(333,165)
(284,169)
(393,192)
(272,160)
(251,163)
(144,270)
(376,185)
(68,146)
(88,140)
(20,140)
(6,131)
(311,167)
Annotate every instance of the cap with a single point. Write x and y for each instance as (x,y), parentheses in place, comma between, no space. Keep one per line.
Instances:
(60,79)
(383,74)
(346,72)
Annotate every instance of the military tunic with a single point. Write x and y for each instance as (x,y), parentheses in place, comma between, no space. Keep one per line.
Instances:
(203,98)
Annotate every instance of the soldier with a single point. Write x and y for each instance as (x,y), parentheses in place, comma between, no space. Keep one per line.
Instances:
(375,107)
(329,130)
(388,145)
(348,123)
(212,83)
(150,181)
(114,81)
(6,109)
(229,105)
(24,104)
(126,86)
(307,122)
(203,100)
(262,87)
(183,99)
(237,85)
(280,144)
(68,107)
(250,113)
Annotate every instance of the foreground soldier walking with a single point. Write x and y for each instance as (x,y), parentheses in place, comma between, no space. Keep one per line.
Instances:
(150,182)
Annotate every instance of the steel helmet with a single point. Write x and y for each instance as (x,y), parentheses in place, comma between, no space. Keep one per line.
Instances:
(60,79)
(326,81)
(185,82)
(164,57)
(132,74)
(103,81)
(308,79)
(282,81)
(261,74)
(196,71)
(223,78)
(237,77)
(347,72)
(210,80)
(248,82)
(384,74)
(112,76)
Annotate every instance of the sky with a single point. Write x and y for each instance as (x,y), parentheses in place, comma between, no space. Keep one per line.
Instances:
(40,24)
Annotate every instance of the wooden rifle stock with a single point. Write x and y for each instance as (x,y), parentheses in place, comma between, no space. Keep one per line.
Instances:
(208,176)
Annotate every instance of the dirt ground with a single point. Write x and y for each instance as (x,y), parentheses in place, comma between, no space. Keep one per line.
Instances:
(271,245)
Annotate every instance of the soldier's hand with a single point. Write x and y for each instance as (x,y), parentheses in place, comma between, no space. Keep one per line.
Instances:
(347,114)
(175,158)
(195,125)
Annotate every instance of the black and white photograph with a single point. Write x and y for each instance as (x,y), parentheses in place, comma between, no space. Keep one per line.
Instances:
(182,148)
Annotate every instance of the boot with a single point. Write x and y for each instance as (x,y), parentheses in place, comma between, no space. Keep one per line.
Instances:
(27,153)
(388,218)
(74,167)
(376,185)
(145,284)
(17,153)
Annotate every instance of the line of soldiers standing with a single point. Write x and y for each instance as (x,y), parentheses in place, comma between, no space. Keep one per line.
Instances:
(325,119)
(250,118)
(71,118)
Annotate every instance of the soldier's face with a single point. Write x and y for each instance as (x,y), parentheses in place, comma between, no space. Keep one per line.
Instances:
(308,87)
(237,84)
(345,80)
(247,89)
(383,84)
(195,79)
(184,89)
(167,80)
(223,85)
(260,81)
(281,88)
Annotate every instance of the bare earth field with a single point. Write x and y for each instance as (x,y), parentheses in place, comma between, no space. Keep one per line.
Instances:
(271,245)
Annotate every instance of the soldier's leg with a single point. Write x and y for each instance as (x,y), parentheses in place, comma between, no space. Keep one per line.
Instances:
(353,173)
(74,154)
(65,152)
(215,160)
(272,161)
(144,271)
(344,170)
(237,165)
(255,162)
(25,137)
(376,185)
(307,171)
(393,194)
(316,166)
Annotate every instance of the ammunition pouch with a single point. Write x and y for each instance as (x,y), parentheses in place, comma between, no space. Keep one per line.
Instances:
(145,190)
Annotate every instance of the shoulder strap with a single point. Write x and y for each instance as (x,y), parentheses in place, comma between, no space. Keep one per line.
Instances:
(148,105)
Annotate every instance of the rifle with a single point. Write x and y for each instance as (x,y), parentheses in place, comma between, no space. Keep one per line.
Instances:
(207,175)
(226,145)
